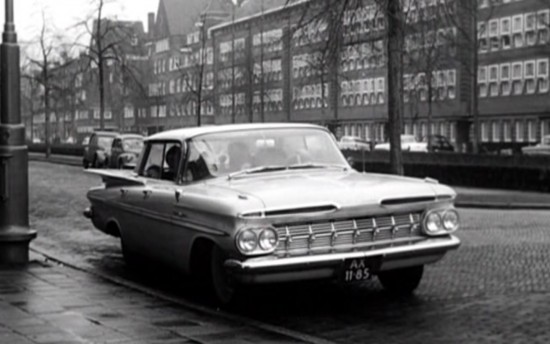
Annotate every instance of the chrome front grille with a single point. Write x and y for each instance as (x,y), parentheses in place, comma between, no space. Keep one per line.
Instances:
(348,234)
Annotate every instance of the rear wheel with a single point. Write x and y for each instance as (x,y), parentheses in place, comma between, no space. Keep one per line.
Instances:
(401,281)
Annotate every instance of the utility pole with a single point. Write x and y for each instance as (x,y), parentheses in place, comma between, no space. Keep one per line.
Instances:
(15,234)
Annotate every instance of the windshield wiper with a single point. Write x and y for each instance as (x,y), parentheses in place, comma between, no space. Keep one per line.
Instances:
(315,165)
(259,169)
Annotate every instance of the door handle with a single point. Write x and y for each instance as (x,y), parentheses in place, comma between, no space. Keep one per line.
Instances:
(179,213)
(178,195)
(123,192)
(147,193)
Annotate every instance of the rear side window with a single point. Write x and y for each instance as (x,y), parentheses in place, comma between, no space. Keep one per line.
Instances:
(162,160)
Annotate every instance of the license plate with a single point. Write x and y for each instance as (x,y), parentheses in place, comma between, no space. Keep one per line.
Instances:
(359,269)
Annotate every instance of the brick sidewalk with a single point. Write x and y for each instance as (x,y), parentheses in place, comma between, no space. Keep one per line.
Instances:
(47,303)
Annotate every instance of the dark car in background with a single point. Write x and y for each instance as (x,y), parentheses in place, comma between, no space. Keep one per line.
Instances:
(439,143)
(125,151)
(98,150)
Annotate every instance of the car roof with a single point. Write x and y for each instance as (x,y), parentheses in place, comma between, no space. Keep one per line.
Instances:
(128,136)
(187,133)
(106,133)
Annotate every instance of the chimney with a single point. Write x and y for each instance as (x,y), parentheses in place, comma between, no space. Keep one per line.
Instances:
(150,23)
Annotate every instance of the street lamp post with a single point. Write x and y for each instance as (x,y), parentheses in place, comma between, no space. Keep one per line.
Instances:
(15,234)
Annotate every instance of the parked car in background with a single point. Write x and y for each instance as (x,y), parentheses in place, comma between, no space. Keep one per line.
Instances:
(409,143)
(98,149)
(125,151)
(264,203)
(542,148)
(439,143)
(354,143)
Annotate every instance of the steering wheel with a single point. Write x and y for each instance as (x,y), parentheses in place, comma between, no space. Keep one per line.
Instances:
(153,171)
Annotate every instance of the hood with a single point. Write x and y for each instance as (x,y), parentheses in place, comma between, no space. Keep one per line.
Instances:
(290,190)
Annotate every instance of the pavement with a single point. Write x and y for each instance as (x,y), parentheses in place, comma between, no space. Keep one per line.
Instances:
(466,197)
(45,302)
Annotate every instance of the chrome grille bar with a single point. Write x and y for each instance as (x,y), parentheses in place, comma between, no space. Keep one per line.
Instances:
(348,234)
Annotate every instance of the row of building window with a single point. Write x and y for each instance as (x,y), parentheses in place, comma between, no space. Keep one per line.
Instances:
(430,39)
(515,78)
(442,83)
(363,56)
(225,77)
(234,49)
(189,108)
(272,101)
(270,70)
(376,132)
(313,32)
(310,96)
(509,131)
(363,20)
(424,10)
(306,65)
(181,85)
(517,31)
(268,41)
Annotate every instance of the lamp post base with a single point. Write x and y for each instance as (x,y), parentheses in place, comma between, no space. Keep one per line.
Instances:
(14,245)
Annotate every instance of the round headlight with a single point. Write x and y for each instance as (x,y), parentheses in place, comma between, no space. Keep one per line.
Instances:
(451,220)
(247,241)
(268,239)
(433,223)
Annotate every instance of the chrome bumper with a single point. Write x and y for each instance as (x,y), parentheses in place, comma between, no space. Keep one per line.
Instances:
(273,269)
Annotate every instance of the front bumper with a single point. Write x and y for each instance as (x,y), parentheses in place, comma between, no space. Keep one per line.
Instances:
(325,266)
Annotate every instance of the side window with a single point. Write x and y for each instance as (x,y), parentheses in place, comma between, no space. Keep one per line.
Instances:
(93,140)
(162,160)
(116,143)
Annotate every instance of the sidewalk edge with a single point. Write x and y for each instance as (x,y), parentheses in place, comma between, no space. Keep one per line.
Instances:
(195,307)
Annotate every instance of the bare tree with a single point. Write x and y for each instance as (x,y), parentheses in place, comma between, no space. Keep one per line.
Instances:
(40,70)
(106,48)
(195,72)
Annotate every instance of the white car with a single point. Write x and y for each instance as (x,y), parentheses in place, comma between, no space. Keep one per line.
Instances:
(542,148)
(409,143)
(353,143)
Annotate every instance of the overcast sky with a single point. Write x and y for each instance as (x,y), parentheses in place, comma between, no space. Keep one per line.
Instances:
(62,14)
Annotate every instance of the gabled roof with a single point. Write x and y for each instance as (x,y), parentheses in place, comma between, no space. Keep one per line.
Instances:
(178,17)
(251,7)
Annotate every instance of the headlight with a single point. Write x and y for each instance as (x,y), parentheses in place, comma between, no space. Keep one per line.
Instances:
(441,221)
(254,241)
(451,220)
(433,223)
(247,241)
(268,239)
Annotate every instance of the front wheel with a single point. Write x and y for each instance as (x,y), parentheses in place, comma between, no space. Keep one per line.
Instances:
(223,286)
(401,281)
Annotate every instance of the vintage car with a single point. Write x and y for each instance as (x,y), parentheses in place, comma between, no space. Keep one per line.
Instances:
(409,143)
(353,143)
(266,203)
(542,148)
(125,151)
(98,149)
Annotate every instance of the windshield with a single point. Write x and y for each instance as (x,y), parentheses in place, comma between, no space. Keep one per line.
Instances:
(220,154)
(132,144)
(105,141)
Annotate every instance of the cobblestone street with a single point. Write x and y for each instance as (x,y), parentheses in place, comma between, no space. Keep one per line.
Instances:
(493,289)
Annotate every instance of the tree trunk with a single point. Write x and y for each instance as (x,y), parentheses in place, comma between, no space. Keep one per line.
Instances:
(395,81)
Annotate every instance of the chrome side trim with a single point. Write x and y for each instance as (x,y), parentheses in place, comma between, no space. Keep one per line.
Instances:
(425,247)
